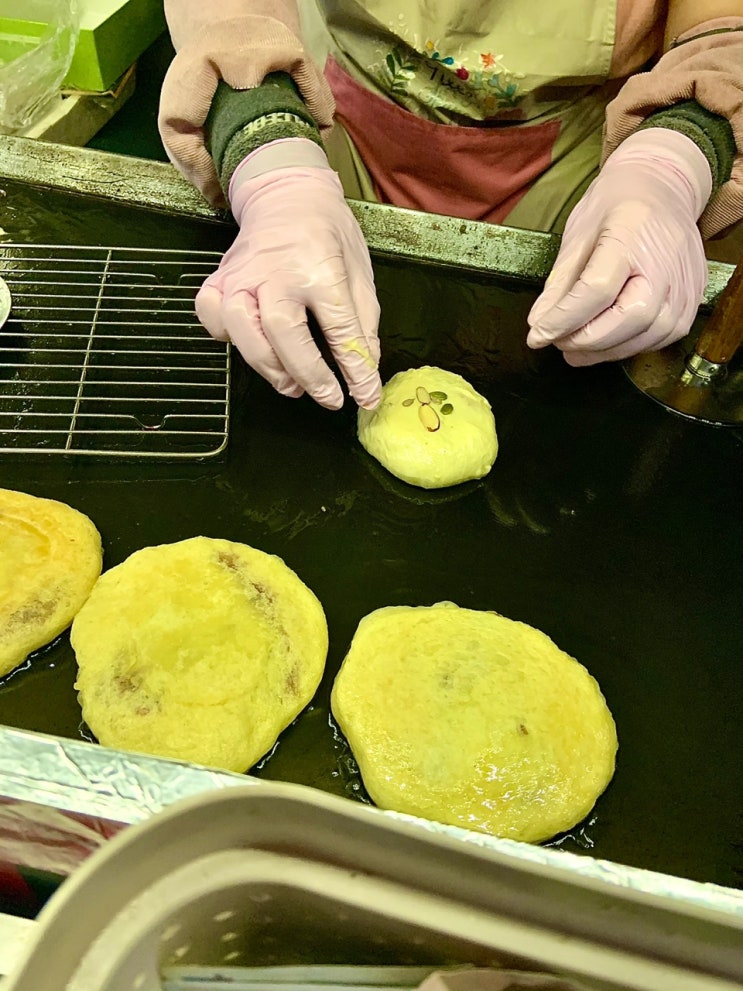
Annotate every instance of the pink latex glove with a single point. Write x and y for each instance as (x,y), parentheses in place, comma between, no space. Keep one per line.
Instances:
(299,248)
(631,270)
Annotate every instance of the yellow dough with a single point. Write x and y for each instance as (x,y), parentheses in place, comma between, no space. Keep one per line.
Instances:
(430,429)
(202,650)
(474,720)
(50,557)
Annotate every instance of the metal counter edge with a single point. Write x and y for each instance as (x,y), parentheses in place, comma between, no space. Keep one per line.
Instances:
(81,777)
(390,231)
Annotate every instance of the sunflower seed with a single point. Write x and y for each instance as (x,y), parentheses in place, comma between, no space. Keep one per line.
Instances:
(429,417)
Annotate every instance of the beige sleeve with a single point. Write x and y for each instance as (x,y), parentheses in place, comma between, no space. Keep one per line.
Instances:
(705,65)
(241,42)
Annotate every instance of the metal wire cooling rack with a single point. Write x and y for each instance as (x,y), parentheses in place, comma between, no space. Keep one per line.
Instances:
(103,354)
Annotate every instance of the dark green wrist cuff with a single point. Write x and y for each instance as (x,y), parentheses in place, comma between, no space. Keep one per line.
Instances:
(712,134)
(272,127)
(239,121)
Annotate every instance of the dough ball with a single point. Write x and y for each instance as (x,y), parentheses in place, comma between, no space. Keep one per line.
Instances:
(474,720)
(50,557)
(430,429)
(202,650)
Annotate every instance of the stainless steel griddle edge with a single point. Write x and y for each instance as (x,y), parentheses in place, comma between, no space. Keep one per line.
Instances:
(389,231)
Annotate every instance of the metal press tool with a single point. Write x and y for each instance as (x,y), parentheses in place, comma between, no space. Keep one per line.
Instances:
(706,382)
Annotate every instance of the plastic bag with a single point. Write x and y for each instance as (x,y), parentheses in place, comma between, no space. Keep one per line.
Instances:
(37,42)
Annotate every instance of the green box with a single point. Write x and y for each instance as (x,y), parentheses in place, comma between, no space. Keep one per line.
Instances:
(113,34)
(18,38)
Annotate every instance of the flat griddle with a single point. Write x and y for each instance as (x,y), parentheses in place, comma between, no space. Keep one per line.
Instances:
(609,523)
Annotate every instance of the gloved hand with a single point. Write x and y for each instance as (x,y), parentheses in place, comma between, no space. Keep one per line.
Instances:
(631,270)
(299,248)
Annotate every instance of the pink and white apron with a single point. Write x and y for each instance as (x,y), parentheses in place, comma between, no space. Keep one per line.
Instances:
(488,111)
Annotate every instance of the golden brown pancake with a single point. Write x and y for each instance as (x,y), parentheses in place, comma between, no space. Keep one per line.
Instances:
(202,650)
(50,557)
(431,429)
(474,720)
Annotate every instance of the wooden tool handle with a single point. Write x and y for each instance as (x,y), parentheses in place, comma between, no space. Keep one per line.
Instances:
(723,334)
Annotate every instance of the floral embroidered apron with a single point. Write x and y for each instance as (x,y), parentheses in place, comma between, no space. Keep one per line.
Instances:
(489,111)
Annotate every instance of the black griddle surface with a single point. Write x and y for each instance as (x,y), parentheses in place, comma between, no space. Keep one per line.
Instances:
(609,523)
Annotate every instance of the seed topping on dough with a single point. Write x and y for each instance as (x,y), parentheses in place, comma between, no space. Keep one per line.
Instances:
(428,416)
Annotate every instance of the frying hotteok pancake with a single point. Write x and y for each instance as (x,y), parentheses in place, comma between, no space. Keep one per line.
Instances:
(50,557)
(202,650)
(431,429)
(474,720)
